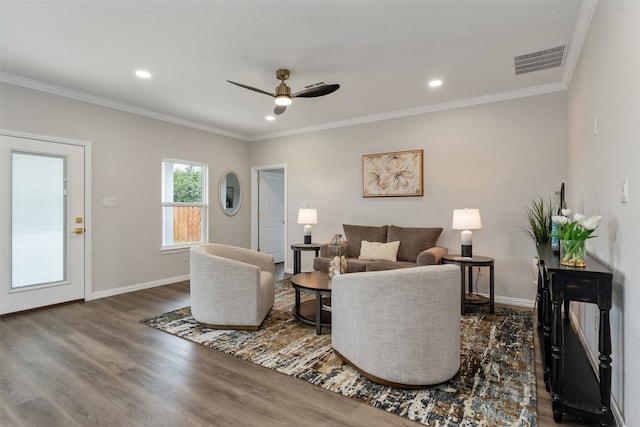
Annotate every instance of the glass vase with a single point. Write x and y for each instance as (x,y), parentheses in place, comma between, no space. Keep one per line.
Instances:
(572,253)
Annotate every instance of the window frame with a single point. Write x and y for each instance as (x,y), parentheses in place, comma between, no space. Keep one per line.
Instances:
(204,204)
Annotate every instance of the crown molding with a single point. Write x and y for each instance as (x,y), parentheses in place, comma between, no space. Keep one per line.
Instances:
(104,102)
(460,103)
(577,40)
(467,102)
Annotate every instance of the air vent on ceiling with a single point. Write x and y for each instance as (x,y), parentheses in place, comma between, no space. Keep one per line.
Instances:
(541,60)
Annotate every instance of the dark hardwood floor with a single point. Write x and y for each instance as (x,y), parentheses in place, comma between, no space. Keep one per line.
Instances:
(94,364)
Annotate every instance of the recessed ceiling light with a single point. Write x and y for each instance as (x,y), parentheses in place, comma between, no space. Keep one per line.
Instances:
(270,118)
(435,83)
(143,74)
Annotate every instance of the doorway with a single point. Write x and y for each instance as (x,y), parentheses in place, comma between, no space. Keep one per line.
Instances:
(43,213)
(268,208)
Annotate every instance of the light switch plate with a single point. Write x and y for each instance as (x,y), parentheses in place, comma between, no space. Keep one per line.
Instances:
(625,191)
(109,202)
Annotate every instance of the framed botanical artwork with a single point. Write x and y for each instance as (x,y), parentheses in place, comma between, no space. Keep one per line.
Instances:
(397,174)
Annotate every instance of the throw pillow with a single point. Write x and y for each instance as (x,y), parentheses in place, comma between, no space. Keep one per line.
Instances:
(379,251)
(414,240)
(357,233)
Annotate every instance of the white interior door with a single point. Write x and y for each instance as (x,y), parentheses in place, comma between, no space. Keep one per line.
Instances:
(271,213)
(42,214)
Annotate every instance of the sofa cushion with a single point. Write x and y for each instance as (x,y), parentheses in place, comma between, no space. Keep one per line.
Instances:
(355,265)
(388,265)
(413,240)
(321,263)
(357,233)
(379,251)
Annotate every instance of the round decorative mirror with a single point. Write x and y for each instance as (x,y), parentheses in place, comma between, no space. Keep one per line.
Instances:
(230,193)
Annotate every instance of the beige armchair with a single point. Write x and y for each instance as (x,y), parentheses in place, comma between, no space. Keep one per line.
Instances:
(399,327)
(231,287)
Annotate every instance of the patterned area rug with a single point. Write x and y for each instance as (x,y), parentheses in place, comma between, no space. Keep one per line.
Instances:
(496,384)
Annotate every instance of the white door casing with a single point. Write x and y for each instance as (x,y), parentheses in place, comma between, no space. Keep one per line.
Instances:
(25,289)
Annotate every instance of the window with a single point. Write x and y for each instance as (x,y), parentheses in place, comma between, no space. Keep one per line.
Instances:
(184,203)
(38,216)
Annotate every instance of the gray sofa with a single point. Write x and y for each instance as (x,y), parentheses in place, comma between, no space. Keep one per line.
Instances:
(417,247)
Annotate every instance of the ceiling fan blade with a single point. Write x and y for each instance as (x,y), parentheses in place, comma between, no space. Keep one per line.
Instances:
(279,109)
(252,88)
(316,91)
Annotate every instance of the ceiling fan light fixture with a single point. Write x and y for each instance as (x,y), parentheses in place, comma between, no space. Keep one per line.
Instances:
(282,93)
(283,100)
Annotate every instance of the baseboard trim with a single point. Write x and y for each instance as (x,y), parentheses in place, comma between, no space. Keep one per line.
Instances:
(137,287)
(520,302)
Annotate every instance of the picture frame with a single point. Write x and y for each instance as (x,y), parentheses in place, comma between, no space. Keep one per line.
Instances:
(395,174)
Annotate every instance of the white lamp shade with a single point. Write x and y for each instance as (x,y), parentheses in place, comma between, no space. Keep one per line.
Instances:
(466,219)
(307,216)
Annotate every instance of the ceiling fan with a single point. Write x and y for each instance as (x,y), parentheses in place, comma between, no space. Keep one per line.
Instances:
(283,95)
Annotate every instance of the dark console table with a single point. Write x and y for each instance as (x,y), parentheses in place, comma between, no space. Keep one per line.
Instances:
(575,389)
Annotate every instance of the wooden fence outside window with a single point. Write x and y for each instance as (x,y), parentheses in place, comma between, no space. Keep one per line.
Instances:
(187,224)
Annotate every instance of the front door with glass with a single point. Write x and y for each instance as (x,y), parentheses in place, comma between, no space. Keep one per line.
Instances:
(42,214)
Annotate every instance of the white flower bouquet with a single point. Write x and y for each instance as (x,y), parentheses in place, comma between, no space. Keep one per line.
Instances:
(572,234)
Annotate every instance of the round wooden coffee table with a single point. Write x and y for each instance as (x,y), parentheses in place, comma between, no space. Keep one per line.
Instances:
(316,311)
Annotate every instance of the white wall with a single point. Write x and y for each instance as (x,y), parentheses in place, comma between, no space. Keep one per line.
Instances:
(495,157)
(606,86)
(127,152)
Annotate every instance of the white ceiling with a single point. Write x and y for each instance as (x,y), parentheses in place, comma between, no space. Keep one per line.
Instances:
(382,53)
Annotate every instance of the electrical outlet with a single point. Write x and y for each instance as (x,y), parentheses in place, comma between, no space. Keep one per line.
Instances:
(625,191)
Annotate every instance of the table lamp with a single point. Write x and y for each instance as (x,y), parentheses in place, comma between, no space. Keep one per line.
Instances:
(307,217)
(466,220)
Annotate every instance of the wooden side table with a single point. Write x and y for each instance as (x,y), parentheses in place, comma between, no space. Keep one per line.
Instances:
(466,268)
(297,253)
